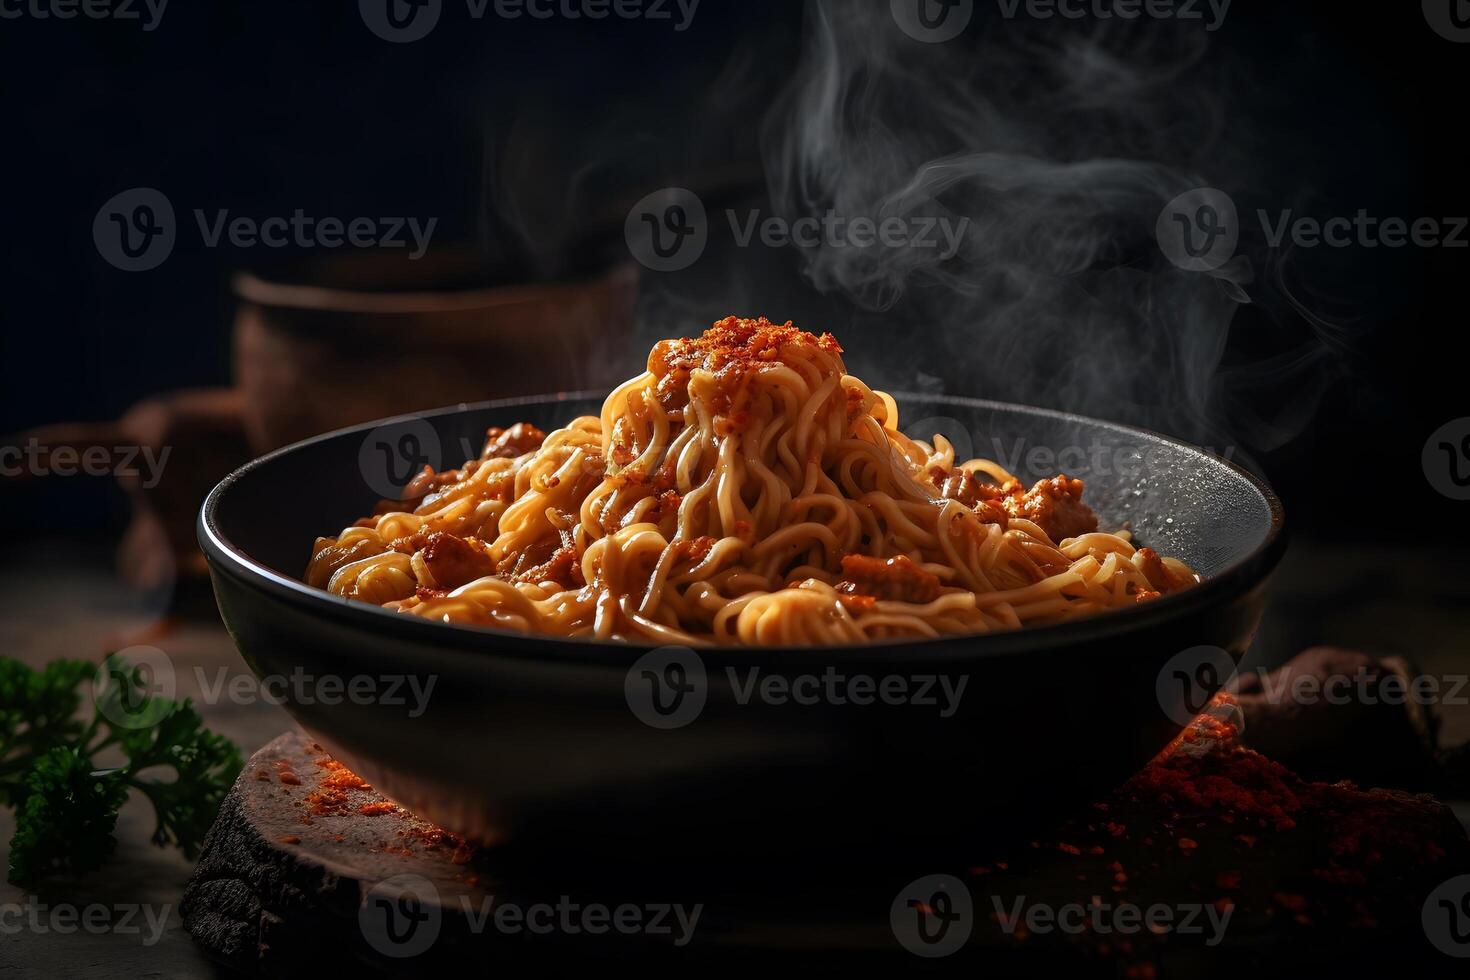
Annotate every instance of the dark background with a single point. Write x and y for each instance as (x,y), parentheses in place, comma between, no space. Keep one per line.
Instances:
(264,107)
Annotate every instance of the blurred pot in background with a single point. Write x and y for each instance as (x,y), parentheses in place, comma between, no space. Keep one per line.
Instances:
(328,342)
(165,452)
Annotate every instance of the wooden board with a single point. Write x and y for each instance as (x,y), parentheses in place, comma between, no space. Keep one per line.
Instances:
(302,875)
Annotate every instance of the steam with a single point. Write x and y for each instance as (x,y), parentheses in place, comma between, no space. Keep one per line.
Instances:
(1061,146)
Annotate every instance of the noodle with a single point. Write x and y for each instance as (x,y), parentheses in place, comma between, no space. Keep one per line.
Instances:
(745,489)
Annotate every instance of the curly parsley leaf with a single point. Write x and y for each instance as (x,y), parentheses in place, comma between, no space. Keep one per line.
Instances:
(66,804)
(65,822)
(38,710)
(205,767)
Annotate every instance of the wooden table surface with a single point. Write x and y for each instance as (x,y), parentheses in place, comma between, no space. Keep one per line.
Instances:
(65,602)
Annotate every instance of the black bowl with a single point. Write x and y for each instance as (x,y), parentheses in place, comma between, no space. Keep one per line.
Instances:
(535,738)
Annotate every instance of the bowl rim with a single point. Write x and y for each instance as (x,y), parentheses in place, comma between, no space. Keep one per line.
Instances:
(1247,573)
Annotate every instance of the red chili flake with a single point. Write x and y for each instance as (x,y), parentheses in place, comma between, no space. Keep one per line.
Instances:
(1362,919)
(1228,879)
(1290,900)
(1069,849)
(1187,844)
(1095,851)
(262,776)
(289,778)
(375,809)
(289,839)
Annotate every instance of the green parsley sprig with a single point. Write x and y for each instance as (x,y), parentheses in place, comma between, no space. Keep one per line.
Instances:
(66,804)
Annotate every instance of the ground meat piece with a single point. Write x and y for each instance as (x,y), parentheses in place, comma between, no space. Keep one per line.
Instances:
(562,568)
(983,498)
(897,579)
(1159,575)
(1055,506)
(693,550)
(453,560)
(548,560)
(418,489)
(429,482)
(519,439)
(409,543)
